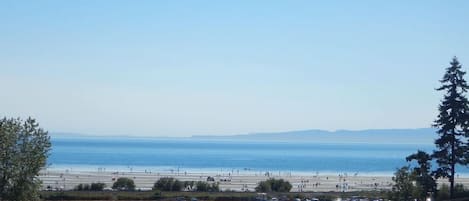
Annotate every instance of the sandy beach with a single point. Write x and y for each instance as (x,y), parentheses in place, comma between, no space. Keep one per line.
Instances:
(68,179)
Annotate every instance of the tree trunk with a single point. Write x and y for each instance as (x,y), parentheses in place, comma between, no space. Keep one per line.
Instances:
(453,162)
(451,189)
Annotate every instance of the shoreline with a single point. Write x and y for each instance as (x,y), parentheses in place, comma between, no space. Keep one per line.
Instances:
(221,171)
(67,179)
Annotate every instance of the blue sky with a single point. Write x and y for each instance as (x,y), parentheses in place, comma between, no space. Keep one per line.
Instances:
(180,68)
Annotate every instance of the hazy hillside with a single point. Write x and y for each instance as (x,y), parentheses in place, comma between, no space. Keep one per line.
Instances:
(408,136)
(421,135)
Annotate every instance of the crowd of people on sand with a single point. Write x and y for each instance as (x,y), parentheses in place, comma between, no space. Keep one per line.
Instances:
(233,179)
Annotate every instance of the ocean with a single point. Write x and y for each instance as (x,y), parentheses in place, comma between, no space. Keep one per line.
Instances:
(186,154)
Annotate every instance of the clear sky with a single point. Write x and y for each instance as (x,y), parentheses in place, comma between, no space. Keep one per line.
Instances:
(181,68)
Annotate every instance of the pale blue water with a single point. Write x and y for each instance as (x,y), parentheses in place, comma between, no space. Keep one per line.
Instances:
(185,154)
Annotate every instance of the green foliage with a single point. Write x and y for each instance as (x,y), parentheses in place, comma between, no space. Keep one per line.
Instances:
(274,185)
(82,187)
(168,184)
(92,187)
(443,192)
(452,123)
(403,188)
(425,183)
(97,186)
(202,186)
(459,188)
(124,183)
(460,191)
(24,148)
(264,186)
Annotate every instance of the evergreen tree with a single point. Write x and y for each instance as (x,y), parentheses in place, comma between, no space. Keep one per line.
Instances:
(426,184)
(452,124)
(403,189)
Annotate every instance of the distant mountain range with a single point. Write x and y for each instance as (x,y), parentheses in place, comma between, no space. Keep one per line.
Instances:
(408,136)
(387,136)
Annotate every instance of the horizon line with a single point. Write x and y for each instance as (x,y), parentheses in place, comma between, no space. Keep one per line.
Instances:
(84,134)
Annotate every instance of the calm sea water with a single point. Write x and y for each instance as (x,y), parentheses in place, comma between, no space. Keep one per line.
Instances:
(186,154)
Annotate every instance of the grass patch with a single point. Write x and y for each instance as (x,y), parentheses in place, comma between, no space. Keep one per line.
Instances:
(201,196)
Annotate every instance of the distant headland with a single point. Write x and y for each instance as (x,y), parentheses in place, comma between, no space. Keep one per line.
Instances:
(398,136)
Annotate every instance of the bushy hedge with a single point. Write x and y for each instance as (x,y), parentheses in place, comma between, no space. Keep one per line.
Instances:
(172,184)
(459,192)
(168,184)
(92,187)
(202,186)
(124,183)
(274,185)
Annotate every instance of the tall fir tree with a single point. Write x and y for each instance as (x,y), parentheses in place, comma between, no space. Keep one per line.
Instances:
(452,124)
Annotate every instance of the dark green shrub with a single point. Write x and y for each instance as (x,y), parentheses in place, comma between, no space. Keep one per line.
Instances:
(460,191)
(82,187)
(443,192)
(202,186)
(274,185)
(168,184)
(97,186)
(79,187)
(92,187)
(124,183)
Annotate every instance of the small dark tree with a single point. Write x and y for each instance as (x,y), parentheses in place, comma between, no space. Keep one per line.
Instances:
(264,186)
(24,149)
(124,183)
(275,185)
(79,187)
(422,174)
(403,188)
(97,186)
(452,124)
(202,186)
(168,184)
